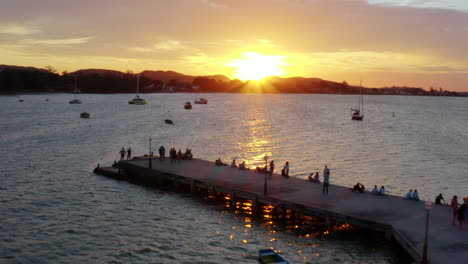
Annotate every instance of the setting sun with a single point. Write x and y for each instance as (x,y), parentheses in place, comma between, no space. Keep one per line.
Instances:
(256,66)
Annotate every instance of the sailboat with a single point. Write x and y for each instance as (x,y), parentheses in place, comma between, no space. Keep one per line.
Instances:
(75,100)
(137,100)
(358,112)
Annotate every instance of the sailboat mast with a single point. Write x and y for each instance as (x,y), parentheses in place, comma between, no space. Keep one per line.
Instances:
(362,101)
(138,84)
(74,89)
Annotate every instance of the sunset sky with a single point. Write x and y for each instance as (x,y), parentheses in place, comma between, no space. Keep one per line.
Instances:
(385,42)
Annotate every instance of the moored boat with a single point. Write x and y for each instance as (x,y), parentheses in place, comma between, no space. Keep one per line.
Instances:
(357,113)
(137,100)
(188,105)
(75,91)
(75,101)
(201,101)
(85,115)
(269,256)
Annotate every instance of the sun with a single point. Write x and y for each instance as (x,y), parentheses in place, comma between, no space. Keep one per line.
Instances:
(256,66)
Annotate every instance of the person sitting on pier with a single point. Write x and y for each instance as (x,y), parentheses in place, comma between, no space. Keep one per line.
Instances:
(233,164)
(262,170)
(439,199)
(358,187)
(219,162)
(415,195)
(375,190)
(317,177)
(242,166)
(382,191)
(409,195)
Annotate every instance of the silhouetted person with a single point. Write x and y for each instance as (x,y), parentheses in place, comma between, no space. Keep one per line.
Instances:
(122,154)
(439,199)
(382,191)
(326,180)
(129,153)
(415,195)
(272,169)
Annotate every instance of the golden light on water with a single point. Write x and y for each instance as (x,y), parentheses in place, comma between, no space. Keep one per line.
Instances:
(256,66)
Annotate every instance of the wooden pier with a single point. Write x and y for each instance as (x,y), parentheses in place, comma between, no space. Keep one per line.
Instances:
(400,219)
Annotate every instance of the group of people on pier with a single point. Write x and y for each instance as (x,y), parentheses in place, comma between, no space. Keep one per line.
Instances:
(459,211)
(123,153)
(176,156)
(412,195)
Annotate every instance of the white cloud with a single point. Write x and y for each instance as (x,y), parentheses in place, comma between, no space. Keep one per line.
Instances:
(15,29)
(169,45)
(70,41)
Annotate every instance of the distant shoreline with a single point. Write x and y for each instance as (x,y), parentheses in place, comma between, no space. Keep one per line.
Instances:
(459,94)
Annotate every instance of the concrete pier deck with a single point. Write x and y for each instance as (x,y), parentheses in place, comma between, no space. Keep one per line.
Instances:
(401,219)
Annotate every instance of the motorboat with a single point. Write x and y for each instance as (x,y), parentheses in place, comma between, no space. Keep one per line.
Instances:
(137,100)
(188,105)
(201,101)
(168,121)
(85,115)
(269,256)
(76,101)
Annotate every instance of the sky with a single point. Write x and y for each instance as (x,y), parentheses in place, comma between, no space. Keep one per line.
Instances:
(419,43)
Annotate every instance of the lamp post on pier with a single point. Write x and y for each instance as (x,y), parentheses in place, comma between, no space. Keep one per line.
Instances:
(428,206)
(265,186)
(149,164)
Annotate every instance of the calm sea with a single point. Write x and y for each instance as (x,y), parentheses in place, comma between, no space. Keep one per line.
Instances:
(53,209)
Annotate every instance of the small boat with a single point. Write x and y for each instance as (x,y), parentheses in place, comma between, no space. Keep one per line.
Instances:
(20,100)
(201,101)
(188,105)
(168,121)
(269,256)
(358,111)
(85,115)
(137,100)
(75,100)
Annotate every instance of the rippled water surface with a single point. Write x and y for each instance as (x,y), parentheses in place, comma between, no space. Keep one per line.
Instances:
(53,209)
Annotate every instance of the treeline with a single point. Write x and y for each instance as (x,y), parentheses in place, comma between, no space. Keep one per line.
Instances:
(15,79)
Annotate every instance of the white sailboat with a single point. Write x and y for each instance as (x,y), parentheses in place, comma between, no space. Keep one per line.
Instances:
(137,100)
(358,112)
(75,100)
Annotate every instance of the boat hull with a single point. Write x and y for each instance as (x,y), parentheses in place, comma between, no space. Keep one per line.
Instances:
(357,117)
(269,256)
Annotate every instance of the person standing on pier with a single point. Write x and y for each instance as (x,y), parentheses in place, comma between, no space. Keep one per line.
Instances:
(162,153)
(122,154)
(129,153)
(272,169)
(285,171)
(326,180)
(454,205)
